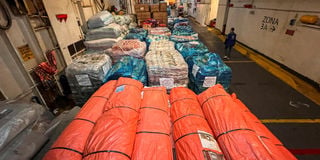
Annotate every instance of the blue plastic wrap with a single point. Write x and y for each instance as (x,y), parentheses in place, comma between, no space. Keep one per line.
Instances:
(207,70)
(183,31)
(179,20)
(128,66)
(135,36)
(191,48)
(137,33)
(181,38)
(152,38)
(140,31)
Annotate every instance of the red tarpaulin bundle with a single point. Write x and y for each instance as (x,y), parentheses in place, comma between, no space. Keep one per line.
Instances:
(112,138)
(71,143)
(191,132)
(234,129)
(153,131)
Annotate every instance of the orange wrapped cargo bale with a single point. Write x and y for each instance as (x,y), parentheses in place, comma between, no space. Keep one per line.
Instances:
(191,133)
(71,143)
(112,138)
(153,132)
(235,129)
(273,144)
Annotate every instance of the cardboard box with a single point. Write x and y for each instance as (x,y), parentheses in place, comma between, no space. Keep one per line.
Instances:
(141,8)
(143,15)
(154,7)
(163,7)
(162,17)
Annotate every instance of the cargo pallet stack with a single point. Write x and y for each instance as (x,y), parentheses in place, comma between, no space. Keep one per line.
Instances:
(156,11)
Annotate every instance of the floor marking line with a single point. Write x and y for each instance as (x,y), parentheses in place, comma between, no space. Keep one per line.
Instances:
(295,82)
(290,120)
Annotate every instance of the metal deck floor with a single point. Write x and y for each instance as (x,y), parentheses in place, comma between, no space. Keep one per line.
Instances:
(270,98)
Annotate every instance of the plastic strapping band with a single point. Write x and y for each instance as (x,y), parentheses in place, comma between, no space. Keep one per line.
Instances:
(189,135)
(187,116)
(100,97)
(182,99)
(154,108)
(219,95)
(65,148)
(121,107)
(107,151)
(82,119)
(153,133)
(264,137)
(240,129)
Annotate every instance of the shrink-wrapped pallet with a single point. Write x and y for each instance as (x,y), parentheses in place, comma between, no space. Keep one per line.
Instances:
(128,47)
(191,37)
(15,118)
(153,38)
(85,75)
(166,68)
(160,31)
(122,19)
(137,33)
(161,45)
(100,19)
(113,30)
(130,67)
(101,44)
(208,70)
(191,48)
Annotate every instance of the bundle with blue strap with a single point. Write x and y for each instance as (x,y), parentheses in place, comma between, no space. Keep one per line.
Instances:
(128,66)
(191,48)
(207,70)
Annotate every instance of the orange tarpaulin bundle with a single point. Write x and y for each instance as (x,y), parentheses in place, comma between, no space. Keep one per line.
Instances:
(153,131)
(112,137)
(71,143)
(235,128)
(191,133)
(274,145)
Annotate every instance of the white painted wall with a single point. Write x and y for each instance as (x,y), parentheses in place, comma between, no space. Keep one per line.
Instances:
(299,52)
(66,32)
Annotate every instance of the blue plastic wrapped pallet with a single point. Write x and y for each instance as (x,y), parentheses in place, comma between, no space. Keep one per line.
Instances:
(128,66)
(152,38)
(207,70)
(137,33)
(191,48)
(183,31)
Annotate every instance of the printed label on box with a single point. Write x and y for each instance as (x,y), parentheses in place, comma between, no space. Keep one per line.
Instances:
(167,82)
(195,70)
(209,81)
(83,80)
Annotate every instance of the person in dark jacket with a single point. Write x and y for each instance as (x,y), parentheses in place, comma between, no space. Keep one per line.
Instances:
(229,43)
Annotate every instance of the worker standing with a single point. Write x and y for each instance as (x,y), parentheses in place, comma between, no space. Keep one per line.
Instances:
(229,43)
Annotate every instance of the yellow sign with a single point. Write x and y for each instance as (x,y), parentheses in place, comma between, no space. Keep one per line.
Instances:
(25,52)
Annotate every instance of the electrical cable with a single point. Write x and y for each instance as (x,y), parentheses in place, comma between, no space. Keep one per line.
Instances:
(7,15)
